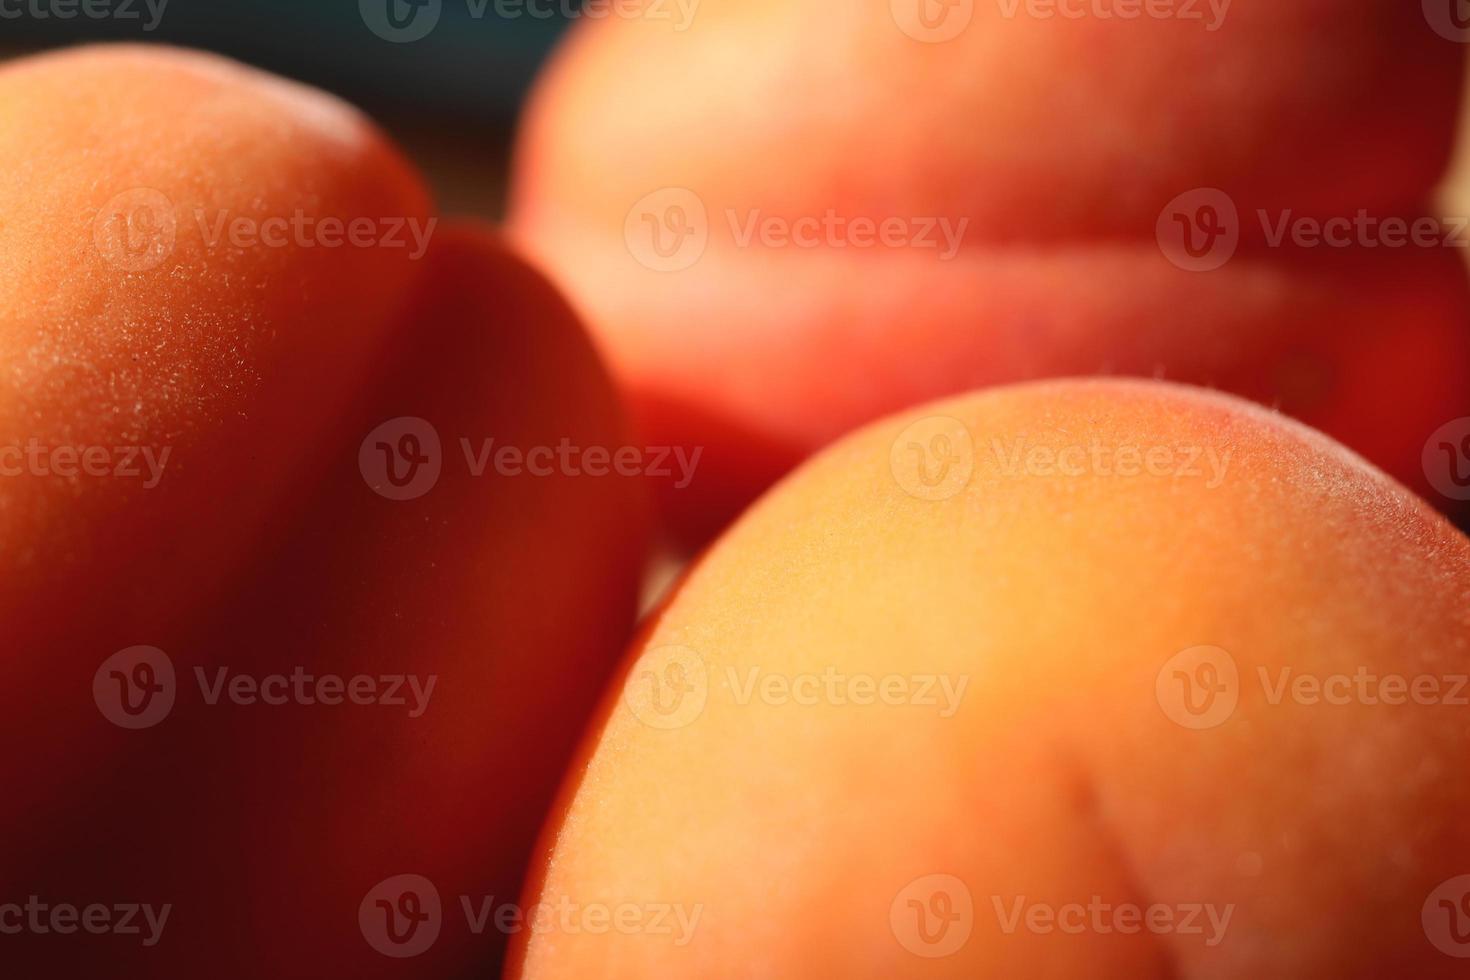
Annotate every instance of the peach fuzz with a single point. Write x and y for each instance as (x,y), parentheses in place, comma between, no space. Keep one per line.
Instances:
(513,594)
(134,317)
(204,371)
(1133,603)
(1051,146)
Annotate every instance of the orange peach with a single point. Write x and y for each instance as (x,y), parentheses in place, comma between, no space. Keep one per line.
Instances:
(169,372)
(1082,678)
(786,219)
(178,281)
(286,821)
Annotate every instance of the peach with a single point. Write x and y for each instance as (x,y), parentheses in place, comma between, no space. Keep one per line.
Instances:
(281,828)
(176,338)
(1080,678)
(158,297)
(786,219)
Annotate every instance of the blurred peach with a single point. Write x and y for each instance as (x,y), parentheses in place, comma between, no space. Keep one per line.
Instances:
(786,219)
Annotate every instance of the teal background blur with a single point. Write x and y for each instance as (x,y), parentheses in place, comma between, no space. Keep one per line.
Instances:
(451,97)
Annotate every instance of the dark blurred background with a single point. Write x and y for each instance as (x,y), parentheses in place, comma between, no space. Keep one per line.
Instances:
(450,95)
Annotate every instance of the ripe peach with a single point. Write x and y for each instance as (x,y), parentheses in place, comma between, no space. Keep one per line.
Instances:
(167,378)
(1082,678)
(791,218)
(157,296)
(279,830)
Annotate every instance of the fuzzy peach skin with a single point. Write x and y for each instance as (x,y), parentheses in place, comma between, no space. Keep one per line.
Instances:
(1051,146)
(134,316)
(965,642)
(507,596)
(164,383)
